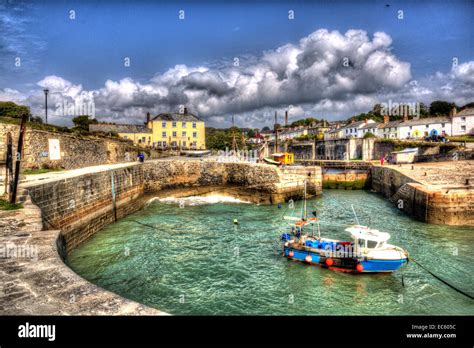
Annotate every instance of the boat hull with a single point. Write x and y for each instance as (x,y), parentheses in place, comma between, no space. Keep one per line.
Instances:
(344,264)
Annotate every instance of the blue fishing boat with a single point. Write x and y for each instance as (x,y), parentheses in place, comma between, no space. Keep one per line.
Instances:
(366,251)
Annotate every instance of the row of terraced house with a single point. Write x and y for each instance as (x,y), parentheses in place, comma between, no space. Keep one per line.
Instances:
(457,124)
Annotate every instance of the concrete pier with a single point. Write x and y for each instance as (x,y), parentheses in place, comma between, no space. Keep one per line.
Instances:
(438,193)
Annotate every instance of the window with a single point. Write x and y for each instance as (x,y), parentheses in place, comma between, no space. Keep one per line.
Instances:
(408,134)
(463,128)
(184,144)
(195,135)
(174,134)
(125,137)
(371,244)
(411,127)
(194,124)
(194,143)
(442,125)
(183,134)
(183,124)
(163,134)
(163,124)
(174,124)
(158,143)
(164,143)
(427,126)
(463,119)
(144,139)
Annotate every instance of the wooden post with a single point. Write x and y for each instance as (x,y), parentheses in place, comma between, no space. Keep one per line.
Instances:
(19,157)
(9,163)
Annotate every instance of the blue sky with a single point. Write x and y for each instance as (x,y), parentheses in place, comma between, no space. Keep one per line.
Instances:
(88,51)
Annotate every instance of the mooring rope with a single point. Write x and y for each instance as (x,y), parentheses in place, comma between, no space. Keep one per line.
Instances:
(442,280)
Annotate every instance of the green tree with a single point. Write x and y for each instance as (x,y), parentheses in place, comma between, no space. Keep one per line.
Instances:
(304,122)
(441,108)
(250,133)
(377,110)
(10,109)
(82,122)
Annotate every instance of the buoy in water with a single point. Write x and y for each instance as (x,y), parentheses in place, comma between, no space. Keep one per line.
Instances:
(291,254)
(308,258)
(236,222)
(329,262)
(359,267)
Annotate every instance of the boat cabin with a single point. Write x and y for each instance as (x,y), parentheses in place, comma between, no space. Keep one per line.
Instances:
(367,238)
(284,157)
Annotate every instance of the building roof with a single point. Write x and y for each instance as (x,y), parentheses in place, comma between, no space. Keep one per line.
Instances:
(370,125)
(119,128)
(465,112)
(173,116)
(423,121)
(390,124)
(358,123)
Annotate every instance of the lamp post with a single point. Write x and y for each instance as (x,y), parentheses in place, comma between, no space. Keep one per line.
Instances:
(46,91)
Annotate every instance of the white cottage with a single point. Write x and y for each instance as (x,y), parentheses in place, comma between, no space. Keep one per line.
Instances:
(462,122)
(354,129)
(424,127)
(389,129)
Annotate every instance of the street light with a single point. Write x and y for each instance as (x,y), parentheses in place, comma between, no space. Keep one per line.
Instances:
(46,91)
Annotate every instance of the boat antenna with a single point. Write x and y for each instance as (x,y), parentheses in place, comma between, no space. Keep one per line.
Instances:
(353,210)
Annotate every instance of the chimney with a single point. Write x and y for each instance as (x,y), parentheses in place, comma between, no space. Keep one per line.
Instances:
(366,120)
(405,117)
(286,118)
(386,119)
(148,118)
(453,112)
(185,110)
(338,125)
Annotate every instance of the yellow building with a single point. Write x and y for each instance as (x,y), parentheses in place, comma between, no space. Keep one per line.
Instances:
(165,131)
(177,131)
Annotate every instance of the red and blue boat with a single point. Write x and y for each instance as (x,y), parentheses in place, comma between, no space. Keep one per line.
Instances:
(366,251)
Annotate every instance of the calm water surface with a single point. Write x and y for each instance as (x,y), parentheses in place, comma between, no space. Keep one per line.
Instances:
(194,260)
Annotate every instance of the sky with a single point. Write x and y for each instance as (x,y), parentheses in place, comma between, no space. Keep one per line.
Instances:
(119,60)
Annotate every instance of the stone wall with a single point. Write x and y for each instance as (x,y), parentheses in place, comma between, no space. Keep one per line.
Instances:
(346,180)
(429,203)
(76,151)
(83,204)
(340,149)
(80,206)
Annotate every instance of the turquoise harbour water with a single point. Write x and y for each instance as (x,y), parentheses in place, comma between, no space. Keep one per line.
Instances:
(194,260)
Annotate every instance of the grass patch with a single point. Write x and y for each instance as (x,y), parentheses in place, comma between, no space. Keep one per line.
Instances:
(466,138)
(6,205)
(40,171)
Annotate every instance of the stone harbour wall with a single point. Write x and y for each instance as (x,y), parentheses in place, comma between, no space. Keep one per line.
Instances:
(81,205)
(436,204)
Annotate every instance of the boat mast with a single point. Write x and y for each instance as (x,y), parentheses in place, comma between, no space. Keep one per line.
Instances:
(305,213)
